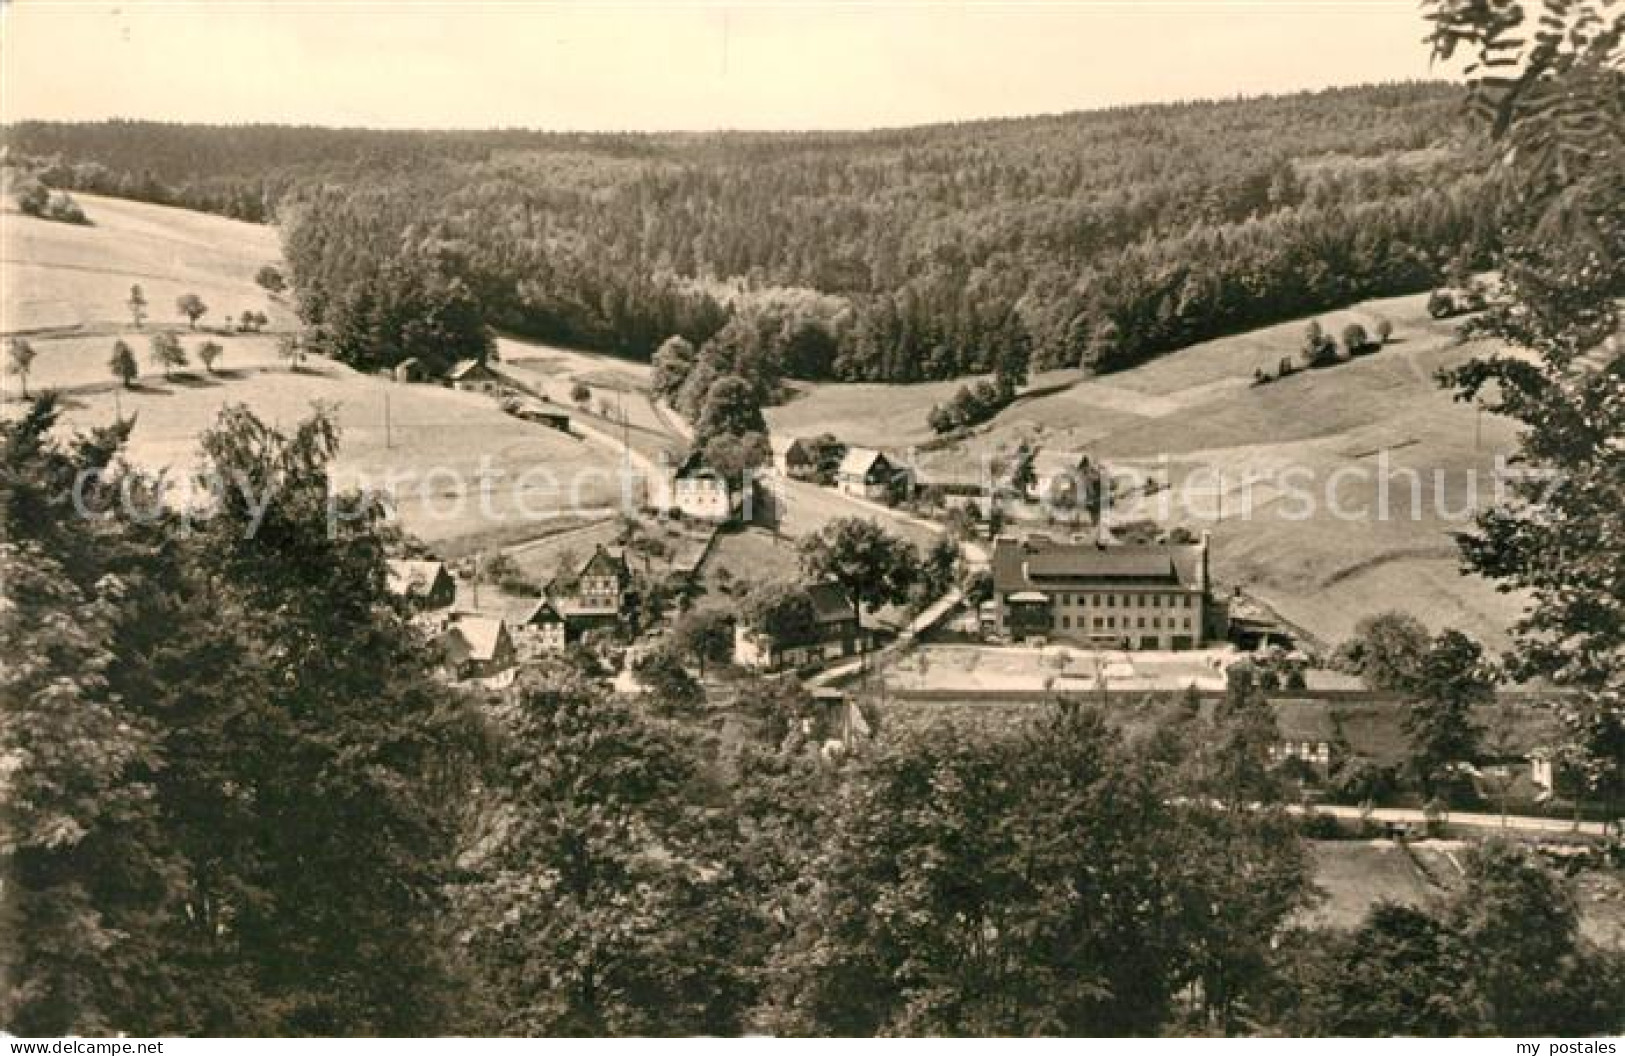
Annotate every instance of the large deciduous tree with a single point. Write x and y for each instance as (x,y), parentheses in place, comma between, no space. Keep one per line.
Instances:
(1547,83)
(871,565)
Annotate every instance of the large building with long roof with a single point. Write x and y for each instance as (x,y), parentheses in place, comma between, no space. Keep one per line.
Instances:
(1126,596)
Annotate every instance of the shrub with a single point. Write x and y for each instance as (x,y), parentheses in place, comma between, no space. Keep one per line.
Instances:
(63,208)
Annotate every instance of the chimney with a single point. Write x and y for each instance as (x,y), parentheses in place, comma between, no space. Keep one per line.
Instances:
(1201,568)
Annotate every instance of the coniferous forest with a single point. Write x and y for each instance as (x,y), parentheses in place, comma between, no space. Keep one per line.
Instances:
(1093,239)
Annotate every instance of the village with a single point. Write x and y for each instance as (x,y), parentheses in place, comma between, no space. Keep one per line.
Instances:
(1048,597)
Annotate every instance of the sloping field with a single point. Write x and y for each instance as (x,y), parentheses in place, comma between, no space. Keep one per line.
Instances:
(456,464)
(65,275)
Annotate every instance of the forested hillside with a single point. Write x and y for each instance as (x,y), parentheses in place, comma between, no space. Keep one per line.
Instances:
(1094,239)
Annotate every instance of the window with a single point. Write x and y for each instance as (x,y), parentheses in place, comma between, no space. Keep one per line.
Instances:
(1141,624)
(1066,623)
(1156,623)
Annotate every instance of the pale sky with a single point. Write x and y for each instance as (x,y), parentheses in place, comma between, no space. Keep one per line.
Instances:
(680,65)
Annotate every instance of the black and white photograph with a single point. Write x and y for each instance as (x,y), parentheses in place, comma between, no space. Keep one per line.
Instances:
(812,519)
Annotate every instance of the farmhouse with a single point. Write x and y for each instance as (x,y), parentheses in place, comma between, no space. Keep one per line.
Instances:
(835,633)
(476,646)
(424,584)
(1152,596)
(701,492)
(473,375)
(1309,732)
(537,625)
(866,473)
(601,594)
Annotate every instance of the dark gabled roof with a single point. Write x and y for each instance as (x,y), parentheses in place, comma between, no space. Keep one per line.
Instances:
(1043,565)
(464,367)
(830,603)
(864,461)
(528,612)
(604,563)
(694,465)
(1305,720)
(407,576)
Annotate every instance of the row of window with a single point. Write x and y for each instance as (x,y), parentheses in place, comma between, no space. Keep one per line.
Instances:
(1126,601)
(1109,623)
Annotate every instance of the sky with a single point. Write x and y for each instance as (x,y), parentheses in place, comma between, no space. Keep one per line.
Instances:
(676,65)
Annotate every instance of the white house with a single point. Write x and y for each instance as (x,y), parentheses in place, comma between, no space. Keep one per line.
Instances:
(701,492)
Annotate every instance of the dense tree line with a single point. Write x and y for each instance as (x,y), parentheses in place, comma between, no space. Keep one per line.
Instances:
(1096,238)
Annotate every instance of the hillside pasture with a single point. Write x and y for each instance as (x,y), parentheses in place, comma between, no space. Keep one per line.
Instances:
(60,276)
(455,463)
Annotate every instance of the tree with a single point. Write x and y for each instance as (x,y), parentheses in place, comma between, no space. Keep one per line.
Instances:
(289,348)
(137,305)
(941,565)
(122,363)
(88,869)
(1387,650)
(1319,349)
(1517,929)
(872,566)
(1546,86)
(731,408)
(705,635)
(191,306)
(599,901)
(167,352)
(1029,883)
(1451,680)
(1401,972)
(581,395)
(826,451)
(269,278)
(20,357)
(735,456)
(781,611)
(33,198)
(160,879)
(1355,339)
(1385,330)
(208,353)
(671,363)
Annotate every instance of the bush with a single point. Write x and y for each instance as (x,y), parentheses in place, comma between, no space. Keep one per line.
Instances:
(32,197)
(63,208)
